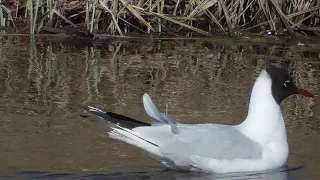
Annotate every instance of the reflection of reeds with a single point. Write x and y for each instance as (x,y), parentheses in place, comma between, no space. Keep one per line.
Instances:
(181,16)
(188,76)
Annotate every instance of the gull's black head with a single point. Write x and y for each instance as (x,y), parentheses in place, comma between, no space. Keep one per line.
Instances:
(283,85)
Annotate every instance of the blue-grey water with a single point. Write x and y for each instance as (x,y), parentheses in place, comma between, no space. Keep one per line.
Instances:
(42,83)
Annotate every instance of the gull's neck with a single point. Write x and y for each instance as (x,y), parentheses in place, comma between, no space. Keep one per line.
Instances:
(264,122)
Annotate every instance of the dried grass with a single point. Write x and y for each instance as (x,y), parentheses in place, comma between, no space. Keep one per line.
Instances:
(171,17)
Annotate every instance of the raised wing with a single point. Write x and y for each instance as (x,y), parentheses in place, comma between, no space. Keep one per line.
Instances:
(210,141)
(160,117)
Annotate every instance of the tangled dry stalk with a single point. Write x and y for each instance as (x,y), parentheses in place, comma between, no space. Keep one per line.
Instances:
(169,17)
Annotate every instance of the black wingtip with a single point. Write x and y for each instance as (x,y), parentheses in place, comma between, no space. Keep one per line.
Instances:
(109,117)
(84,116)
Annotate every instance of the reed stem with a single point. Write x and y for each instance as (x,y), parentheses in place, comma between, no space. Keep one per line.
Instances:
(205,17)
(1,15)
(35,17)
(93,15)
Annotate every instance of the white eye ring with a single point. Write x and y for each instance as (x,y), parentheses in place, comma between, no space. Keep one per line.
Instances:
(285,83)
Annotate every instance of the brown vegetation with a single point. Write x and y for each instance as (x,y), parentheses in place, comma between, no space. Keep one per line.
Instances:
(168,17)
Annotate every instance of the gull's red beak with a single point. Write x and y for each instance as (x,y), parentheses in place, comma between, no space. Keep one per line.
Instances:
(304,93)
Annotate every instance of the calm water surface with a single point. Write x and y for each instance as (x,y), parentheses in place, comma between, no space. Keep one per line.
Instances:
(42,84)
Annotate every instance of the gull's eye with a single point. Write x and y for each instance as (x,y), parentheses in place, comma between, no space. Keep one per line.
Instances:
(287,83)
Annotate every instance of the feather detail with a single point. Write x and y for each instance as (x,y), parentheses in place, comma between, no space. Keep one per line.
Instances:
(109,118)
(160,117)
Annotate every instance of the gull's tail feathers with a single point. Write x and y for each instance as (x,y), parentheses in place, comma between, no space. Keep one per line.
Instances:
(110,119)
(133,138)
(160,117)
(122,129)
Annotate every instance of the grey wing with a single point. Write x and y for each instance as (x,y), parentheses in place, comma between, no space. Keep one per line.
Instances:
(217,142)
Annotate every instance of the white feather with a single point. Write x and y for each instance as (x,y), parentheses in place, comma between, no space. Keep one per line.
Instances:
(259,143)
(130,137)
(153,112)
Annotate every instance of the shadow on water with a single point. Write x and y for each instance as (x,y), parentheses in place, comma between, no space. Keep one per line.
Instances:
(290,174)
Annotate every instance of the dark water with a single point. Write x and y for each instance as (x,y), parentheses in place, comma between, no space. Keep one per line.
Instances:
(42,84)
(292,174)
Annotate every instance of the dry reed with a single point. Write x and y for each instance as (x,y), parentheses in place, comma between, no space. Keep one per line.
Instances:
(170,17)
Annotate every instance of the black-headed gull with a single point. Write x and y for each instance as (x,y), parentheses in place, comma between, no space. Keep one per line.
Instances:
(258,143)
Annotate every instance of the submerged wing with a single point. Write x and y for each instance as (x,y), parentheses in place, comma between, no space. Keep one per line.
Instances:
(160,117)
(210,141)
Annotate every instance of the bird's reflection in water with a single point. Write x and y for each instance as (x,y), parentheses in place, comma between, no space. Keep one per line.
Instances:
(278,174)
